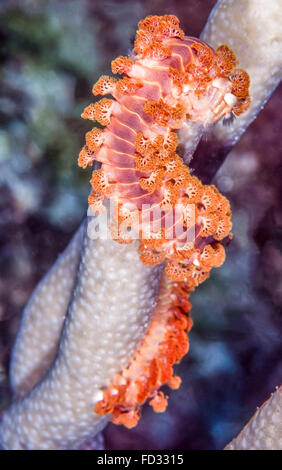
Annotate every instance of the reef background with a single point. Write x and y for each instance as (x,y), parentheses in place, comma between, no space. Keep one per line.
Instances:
(51,53)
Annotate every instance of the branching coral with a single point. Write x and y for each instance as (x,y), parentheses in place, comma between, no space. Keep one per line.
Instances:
(258,46)
(43,320)
(264,430)
(58,412)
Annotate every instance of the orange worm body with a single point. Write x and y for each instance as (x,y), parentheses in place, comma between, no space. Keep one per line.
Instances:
(169,80)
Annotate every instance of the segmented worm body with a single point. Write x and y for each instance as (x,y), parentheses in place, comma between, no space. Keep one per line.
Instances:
(170,79)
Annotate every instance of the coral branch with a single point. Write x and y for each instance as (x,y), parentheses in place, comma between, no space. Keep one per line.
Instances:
(257,44)
(264,430)
(43,318)
(102,330)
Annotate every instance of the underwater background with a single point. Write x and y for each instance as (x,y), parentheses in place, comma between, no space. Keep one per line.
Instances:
(51,53)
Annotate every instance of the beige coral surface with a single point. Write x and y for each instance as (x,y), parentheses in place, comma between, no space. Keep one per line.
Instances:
(264,430)
(108,314)
(252,28)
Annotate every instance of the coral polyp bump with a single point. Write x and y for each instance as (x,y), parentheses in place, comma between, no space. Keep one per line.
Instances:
(168,81)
